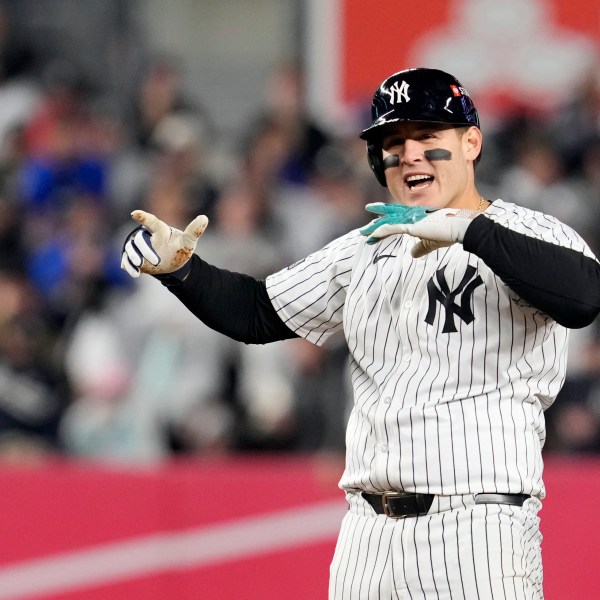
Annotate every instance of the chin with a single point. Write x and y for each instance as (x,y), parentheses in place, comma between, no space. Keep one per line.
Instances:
(420,200)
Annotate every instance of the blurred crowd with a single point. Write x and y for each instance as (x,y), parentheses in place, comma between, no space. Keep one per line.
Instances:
(94,364)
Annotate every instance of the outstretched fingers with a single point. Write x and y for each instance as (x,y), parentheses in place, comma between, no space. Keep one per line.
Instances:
(381,208)
(152,223)
(194,230)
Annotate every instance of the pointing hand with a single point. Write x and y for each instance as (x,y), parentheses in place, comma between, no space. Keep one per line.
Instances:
(157,249)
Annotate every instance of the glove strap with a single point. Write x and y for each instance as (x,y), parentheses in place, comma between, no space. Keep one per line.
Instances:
(176,277)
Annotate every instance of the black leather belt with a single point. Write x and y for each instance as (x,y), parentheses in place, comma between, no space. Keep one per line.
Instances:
(399,505)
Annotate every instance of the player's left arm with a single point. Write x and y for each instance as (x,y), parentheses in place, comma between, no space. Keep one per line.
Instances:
(562,282)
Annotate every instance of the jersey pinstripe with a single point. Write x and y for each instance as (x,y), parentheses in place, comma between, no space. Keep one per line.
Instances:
(451,370)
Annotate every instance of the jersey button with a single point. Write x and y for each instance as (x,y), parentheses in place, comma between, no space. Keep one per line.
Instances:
(387,399)
(408,304)
(383,447)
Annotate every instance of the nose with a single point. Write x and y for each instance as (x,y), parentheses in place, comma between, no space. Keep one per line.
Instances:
(412,152)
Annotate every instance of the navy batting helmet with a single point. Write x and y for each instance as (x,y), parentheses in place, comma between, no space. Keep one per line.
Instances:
(428,95)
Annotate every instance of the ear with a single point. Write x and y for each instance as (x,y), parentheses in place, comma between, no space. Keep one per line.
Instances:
(472,142)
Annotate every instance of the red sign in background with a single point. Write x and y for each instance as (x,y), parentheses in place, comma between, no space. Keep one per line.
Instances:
(210,529)
(226,529)
(377,39)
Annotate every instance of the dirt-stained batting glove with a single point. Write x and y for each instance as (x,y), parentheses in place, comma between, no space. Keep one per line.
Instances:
(159,250)
(436,228)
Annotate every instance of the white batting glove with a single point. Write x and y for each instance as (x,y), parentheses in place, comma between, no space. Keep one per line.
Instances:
(437,229)
(157,249)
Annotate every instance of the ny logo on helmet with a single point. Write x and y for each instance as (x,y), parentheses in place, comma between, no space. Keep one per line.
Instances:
(398,93)
(445,296)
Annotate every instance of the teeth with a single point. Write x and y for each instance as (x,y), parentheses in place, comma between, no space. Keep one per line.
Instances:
(418,181)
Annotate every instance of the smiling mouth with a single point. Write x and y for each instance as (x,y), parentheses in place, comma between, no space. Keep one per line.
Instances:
(418,182)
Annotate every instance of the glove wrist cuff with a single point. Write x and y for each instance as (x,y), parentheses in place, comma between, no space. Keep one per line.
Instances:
(176,277)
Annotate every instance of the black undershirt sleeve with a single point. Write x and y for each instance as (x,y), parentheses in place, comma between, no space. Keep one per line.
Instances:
(560,282)
(233,304)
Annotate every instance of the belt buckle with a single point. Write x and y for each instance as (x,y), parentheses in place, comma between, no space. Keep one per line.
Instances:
(386,507)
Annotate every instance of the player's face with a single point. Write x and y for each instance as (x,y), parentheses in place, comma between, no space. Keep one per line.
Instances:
(433,165)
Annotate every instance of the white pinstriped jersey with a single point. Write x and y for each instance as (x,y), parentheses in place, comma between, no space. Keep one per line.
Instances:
(451,371)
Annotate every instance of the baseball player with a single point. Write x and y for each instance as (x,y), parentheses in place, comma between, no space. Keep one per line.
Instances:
(456,313)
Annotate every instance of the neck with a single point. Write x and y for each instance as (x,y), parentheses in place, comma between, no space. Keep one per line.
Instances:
(471,201)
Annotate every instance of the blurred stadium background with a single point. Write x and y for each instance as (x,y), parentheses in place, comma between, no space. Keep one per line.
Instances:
(142,455)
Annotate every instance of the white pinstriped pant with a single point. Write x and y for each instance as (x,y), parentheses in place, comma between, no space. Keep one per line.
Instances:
(458,551)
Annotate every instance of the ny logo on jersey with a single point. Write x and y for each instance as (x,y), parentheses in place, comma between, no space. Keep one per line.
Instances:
(446,297)
(399,93)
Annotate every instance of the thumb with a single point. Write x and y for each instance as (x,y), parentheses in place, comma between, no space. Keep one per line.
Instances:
(419,249)
(195,229)
(150,222)
(376,207)
(423,247)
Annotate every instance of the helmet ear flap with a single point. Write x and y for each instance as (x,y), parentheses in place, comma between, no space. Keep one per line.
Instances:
(375,158)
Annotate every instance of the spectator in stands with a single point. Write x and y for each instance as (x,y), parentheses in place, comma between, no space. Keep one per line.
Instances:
(577,124)
(131,363)
(537,177)
(33,389)
(285,107)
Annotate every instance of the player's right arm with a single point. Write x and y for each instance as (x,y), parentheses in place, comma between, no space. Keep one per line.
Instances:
(233,304)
